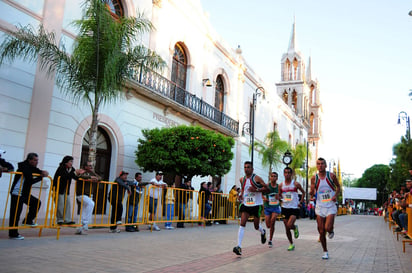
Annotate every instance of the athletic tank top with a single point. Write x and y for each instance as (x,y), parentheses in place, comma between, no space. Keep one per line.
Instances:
(290,198)
(324,194)
(250,198)
(271,197)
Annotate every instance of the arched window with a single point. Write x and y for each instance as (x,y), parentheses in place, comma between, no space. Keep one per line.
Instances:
(295,101)
(295,69)
(288,70)
(312,94)
(285,97)
(219,93)
(115,7)
(312,123)
(179,67)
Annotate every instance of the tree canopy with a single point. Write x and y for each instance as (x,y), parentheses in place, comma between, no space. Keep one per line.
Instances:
(185,151)
(102,60)
(377,176)
(272,150)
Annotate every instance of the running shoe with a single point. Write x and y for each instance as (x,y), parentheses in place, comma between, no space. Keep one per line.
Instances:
(263,236)
(19,237)
(325,256)
(114,230)
(270,244)
(155,227)
(29,224)
(331,234)
(81,231)
(237,250)
(291,247)
(296,232)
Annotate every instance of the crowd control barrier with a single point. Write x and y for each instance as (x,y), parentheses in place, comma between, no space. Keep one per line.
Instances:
(15,214)
(112,206)
(409,212)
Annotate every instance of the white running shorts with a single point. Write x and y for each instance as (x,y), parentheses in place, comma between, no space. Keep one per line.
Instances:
(323,212)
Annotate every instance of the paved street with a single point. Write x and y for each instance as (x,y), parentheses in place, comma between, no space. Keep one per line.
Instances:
(361,244)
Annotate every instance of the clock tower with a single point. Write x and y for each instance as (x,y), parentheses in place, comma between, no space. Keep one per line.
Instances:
(300,92)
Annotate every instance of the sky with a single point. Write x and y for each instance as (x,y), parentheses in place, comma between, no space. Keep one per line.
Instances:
(361,54)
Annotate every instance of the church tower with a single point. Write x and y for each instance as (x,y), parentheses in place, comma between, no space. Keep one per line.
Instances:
(300,92)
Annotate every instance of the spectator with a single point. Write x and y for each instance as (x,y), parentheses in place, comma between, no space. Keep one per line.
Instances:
(403,216)
(84,189)
(170,206)
(133,203)
(232,200)
(182,198)
(154,194)
(312,209)
(205,200)
(4,165)
(189,205)
(62,181)
(218,205)
(20,193)
(116,200)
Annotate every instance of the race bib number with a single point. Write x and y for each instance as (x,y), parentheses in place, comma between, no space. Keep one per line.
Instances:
(325,196)
(250,199)
(272,200)
(287,197)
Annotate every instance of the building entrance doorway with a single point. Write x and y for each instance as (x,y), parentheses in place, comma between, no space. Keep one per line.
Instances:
(102,167)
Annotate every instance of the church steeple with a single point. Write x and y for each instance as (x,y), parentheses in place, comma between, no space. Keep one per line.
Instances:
(293,66)
(292,41)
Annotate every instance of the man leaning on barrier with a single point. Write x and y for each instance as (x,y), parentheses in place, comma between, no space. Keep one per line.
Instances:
(133,202)
(154,196)
(84,189)
(116,200)
(20,193)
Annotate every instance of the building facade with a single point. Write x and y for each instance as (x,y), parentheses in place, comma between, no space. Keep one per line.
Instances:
(37,117)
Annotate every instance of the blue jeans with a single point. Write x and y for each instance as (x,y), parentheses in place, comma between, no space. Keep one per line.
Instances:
(403,218)
(132,211)
(206,210)
(169,214)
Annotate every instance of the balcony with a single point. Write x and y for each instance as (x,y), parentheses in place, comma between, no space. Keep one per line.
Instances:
(167,89)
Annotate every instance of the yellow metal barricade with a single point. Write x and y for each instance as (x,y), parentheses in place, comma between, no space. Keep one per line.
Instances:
(13,206)
(173,205)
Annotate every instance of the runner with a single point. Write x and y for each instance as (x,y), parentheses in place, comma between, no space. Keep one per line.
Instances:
(325,185)
(251,202)
(290,204)
(272,206)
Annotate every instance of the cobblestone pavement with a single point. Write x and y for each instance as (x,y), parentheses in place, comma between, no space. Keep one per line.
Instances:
(361,244)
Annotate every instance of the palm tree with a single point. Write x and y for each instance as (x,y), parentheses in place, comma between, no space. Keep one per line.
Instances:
(103,57)
(273,149)
(299,158)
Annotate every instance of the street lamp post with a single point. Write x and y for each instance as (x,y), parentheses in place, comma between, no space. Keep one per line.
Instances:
(307,171)
(252,125)
(404,116)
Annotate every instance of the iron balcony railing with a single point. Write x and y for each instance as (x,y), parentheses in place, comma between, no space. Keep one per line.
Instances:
(168,89)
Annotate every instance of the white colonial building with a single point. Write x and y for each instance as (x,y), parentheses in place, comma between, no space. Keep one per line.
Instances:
(37,117)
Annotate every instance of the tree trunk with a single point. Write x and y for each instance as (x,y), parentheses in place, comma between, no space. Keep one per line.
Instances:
(93,137)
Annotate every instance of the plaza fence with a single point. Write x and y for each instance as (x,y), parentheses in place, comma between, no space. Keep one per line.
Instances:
(114,206)
(36,197)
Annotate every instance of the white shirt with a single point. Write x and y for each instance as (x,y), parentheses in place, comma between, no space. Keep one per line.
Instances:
(290,196)
(324,194)
(251,198)
(156,191)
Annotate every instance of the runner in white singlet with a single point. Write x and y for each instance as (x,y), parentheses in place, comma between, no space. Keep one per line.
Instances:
(251,202)
(290,204)
(326,187)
